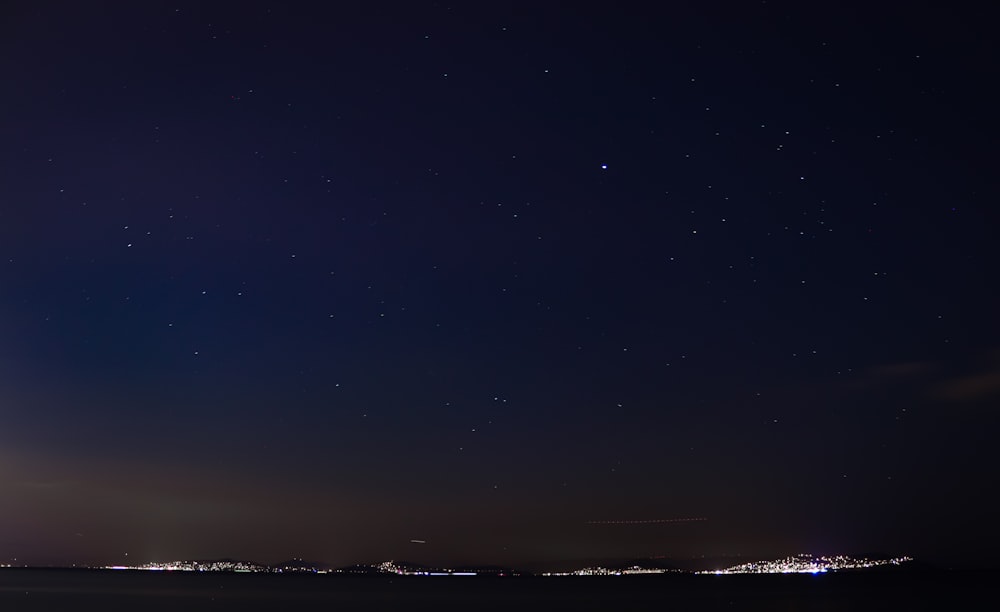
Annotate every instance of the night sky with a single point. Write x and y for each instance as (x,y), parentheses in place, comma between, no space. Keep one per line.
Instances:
(280,280)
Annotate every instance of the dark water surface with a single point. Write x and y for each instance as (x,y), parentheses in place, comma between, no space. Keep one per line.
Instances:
(70,590)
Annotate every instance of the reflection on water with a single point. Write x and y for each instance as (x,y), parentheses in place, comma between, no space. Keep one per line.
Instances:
(36,590)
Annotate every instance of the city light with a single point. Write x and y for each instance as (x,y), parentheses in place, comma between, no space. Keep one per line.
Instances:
(807,564)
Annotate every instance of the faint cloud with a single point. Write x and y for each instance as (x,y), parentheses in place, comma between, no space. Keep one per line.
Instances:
(975,379)
(971,388)
(45,484)
(895,371)
(895,375)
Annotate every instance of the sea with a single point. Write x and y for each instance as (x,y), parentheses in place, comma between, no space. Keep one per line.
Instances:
(108,590)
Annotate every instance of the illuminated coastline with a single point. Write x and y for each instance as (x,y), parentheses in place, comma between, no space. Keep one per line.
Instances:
(797,564)
(808,564)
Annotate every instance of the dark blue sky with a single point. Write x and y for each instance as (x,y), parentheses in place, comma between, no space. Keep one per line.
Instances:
(279,280)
